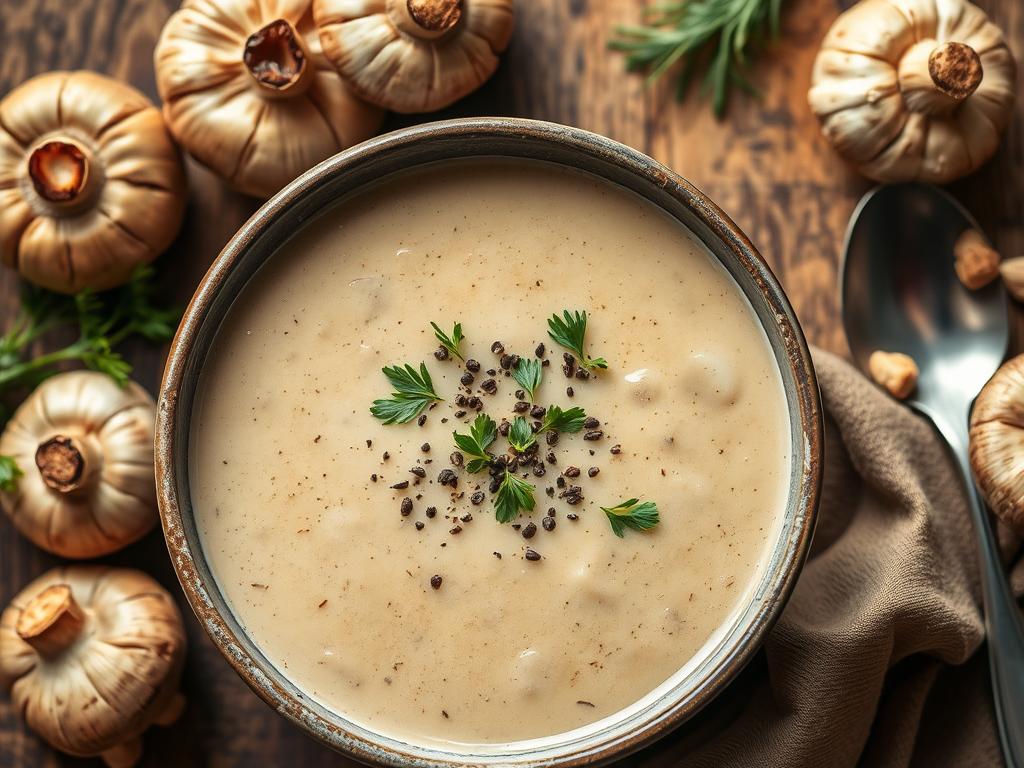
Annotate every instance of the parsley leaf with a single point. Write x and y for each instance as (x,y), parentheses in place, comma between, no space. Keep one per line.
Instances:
(513,494)
(569,333)
(520,435)
(9,473)
(563,421)
(481,434)
(528,373)
(451,343)
(632,513)
(413,392)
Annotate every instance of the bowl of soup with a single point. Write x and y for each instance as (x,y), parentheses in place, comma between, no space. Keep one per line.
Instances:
(488,442)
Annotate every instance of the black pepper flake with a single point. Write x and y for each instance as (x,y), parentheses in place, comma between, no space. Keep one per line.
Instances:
(406,506)
(497,555)
(435,581)
(591,423)
(538,411)
(456,530)
(421,420)
(460,413)
(419,471)
(560,482)
(538,470)
(551,437)
(491,372)
(529,531)
(516,526)
(448,477)
(425,447)
(475,403)
(419,525)
(401,485)
(490,386)
(520,394)
(445,714)
(572,495)
(467,379)
(477,499)
(508,362)
(593,471)
(539,351)
(431,512)
(570,365)
(494,485)
(569,391)
(571,472)
(386,456)
(549,491)
(531,555)
(550,512)
(373,477)
(573,516)
(441,353)
(521,407)
(369,443)
(545,363)
(472,365)
(616,449)
(460,399)
(582,374)
(456,459)
(504,427)
(594,434)
(548,523)
(550,458)
(498,348)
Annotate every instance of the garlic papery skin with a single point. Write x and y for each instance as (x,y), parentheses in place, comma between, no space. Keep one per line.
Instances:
(92,657)
(997,442)
(85,447)
(914,89)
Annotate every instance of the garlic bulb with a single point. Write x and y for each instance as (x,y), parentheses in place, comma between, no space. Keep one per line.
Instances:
(92,657)
(914,89)
(997,442)
(248,92)
(91,184)
(414,55)
(85,446)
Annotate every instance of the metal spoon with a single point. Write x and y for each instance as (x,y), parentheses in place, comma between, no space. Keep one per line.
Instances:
(900,294)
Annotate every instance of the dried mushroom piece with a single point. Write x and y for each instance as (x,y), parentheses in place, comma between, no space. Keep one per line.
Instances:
(895,372)
(976,262)
(414,55)
(85,448)
(248,92)
(92,657)
(914,89)
(91,185)
(997,442)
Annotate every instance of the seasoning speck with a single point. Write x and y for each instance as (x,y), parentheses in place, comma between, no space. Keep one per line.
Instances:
(497,348)
(406,506)
(425,447)
(529,531)
(400,486)
(593,471)
(548,523)
(594,434)
(532,555)
(616,449)
(477,498)
(435,581)
(431,512)
(539,351)
(421,420)
(473,365)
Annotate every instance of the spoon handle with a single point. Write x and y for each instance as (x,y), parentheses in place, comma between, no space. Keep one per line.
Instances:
(1003,623)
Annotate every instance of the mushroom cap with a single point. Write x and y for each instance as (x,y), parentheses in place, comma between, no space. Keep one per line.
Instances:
(867,89)
(997,442)
(136,198)
(379,50)
(255,140)
(117,505)
(121,673)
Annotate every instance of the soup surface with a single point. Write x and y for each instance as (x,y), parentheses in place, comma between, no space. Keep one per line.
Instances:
(293,478)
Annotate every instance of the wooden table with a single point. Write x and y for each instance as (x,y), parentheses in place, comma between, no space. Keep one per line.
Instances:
(767,166)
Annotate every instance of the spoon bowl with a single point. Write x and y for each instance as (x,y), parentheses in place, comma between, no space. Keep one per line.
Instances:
(900,293)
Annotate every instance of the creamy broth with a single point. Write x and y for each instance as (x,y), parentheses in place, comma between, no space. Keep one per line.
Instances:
(333,582)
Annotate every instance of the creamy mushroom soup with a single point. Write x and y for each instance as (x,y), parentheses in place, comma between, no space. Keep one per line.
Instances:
(366,560)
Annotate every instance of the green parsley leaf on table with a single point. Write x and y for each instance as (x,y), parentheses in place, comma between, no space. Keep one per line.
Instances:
(451,343)
(520,435)
(632,513)
(563,421)
(568,331)
(528,373)
(513,494)
(413,392)
(482,433)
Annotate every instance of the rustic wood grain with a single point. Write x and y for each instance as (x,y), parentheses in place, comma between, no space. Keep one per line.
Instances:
(767,166)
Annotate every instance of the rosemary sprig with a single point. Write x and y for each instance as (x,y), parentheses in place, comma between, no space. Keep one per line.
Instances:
(482,433)
(714,35)
(569,331)
(413,392)
(632,513)
(513,494)
(451,343)
(528,374)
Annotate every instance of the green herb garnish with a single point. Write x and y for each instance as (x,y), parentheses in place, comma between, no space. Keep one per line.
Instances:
(520,435)
(482,433)
(513,494)
(529,373)
(563,421)
(451,343)
(712,34)
(413,392)
(640,516)
(570,332)
(9,474)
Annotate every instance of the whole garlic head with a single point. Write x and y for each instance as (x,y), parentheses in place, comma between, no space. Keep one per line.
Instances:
(85,446)
(92,657)
(914,89)
(997,442)
(248,92)
(414,55)
(91,185)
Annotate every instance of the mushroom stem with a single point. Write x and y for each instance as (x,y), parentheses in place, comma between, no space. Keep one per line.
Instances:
(62,173)
(51,621)
(425,19)
(936,79)
(278,60)
(66,463)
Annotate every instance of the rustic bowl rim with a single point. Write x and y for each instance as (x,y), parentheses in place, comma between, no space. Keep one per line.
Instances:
(730,245)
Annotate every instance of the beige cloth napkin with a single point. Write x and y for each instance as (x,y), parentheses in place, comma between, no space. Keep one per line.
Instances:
(877,660)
